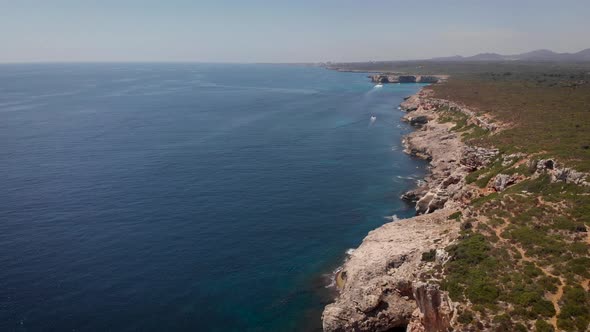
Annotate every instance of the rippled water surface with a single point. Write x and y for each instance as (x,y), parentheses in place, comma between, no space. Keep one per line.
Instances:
(188,197)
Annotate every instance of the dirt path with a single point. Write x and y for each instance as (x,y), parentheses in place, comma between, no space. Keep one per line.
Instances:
(553,297)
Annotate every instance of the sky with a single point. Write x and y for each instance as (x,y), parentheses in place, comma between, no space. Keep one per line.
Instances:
(284,31)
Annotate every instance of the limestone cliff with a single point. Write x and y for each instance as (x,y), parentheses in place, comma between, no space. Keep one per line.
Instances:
(386,283)
(397,78)
(382,287)
(391,281)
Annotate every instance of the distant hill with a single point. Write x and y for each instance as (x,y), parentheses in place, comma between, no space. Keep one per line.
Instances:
(536,55)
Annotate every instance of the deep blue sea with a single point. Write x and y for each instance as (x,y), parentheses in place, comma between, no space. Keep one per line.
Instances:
(188,197)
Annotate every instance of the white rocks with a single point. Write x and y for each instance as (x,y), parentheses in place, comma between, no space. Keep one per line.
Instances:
(475,157)
(569,175)
(445,151)
(511,158)
(564,174)
(501,181)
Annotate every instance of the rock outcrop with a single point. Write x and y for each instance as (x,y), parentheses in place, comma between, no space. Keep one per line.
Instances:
(397,78)
(563,174)
(435,309)
(450,159)
(381,287)
(501,181)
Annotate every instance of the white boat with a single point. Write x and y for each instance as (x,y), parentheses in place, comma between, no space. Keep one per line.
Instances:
(379,85)
(373,118)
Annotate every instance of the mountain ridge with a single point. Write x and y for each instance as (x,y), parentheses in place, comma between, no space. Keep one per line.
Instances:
(535,55)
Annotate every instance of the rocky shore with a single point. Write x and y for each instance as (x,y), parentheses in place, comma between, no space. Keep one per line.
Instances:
(387,282)
(406,78)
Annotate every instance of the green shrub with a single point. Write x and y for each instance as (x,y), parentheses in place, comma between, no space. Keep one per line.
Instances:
(471,250)
(543,326)
(482,291)
(543,308)
(465,317)
(456,216)
(580,266)
(429,256)
(575,311)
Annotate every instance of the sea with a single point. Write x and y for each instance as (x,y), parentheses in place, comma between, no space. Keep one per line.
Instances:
(189,196)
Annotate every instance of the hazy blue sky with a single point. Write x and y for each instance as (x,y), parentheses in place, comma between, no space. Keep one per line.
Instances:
(284,31)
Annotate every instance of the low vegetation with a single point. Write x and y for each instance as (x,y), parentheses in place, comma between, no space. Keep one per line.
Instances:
(522,262)
(552,120)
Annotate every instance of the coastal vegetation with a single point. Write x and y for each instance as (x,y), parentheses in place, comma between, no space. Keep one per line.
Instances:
(525,260)
(547,104)
(521,261)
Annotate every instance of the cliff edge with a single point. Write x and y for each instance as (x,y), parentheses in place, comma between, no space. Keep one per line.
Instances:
(389,280)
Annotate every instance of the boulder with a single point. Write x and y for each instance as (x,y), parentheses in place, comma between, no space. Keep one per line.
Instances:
(475,158)
(509,159)
(432,201)
(501,181)
(569,175)
(414,195)
(418,120)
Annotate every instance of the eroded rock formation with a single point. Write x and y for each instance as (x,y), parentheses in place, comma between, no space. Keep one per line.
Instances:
(450,160)
(435,309)
(382,284)
(563,174)
(396,78)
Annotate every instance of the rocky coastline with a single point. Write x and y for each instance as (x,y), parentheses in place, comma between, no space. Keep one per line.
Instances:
(392,281)
(387,284)
(406,78)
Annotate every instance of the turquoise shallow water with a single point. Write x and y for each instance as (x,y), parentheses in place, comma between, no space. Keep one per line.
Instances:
(188,197)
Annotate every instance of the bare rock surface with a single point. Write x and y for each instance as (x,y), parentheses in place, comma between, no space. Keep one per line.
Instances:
(379,278)
(400,78)
(501,181)
(435,309)
(563,174)
(444,185)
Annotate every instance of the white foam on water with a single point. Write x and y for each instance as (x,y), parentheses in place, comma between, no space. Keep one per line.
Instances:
(332,275)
